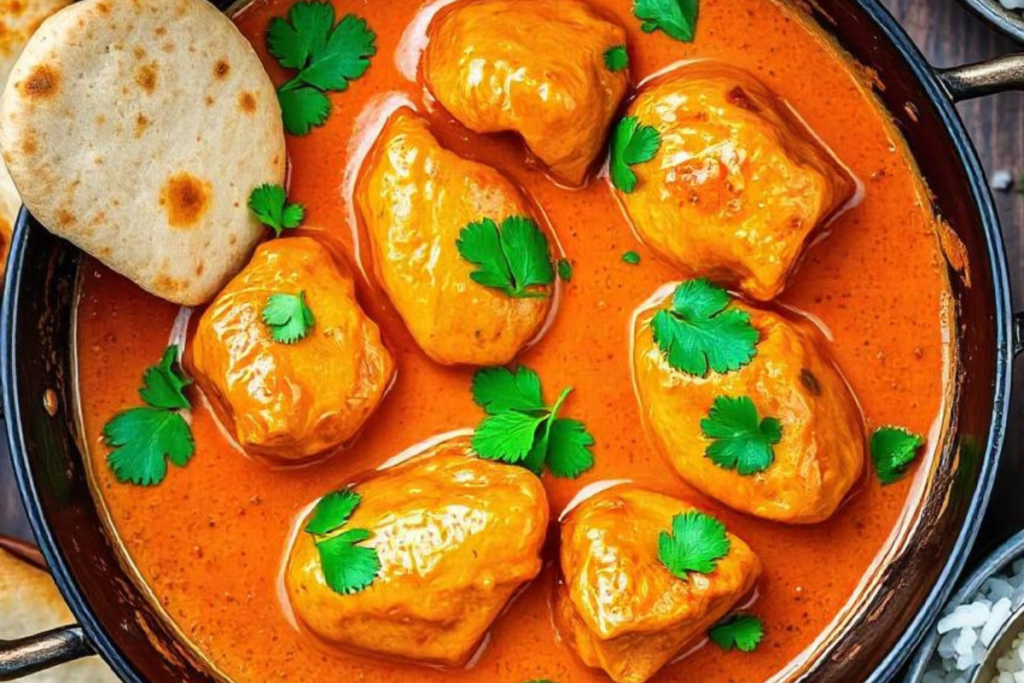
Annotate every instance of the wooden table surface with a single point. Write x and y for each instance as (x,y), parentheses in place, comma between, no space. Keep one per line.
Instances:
(948,35)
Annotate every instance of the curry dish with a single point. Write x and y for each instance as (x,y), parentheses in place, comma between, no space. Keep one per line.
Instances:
(702,229)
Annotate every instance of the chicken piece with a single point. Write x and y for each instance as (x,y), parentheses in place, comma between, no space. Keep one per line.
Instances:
(291,402)
(456,536)
(415,198)
(619,606)
(536,68)
(792,378)
(739,185)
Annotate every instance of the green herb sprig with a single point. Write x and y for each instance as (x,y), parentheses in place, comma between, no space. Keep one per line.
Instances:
(676,18)
(632,144)
(743,632)
(702,331)
(513,259)
(270,205)
(740,440)
(347,566)
(695,544)
(522,429)
(143,439)
(893,450)
(325,58)
(289,317)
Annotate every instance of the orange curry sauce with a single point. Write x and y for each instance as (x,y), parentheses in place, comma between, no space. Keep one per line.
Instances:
(211,539)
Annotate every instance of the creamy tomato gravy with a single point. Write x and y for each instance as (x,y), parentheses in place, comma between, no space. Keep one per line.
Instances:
(210,541)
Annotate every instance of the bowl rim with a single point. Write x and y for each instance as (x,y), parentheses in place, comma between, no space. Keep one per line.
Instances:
(994,563)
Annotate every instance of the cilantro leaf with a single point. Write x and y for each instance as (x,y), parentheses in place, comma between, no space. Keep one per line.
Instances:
(288,317)
(696,543)
(632,144)
(521,429)
(616,58)
(303,108)
(345,57)
(701,331)
(294,43)
(270,204)
(893,449)
(565,269)
(513,259)
(163,386)
(333,511)
(348,568)
(325,57)
(740,440)
(631,258)
(497,390)
(677,18)
(142,440)
(742,631)
(507,437)
(568,446)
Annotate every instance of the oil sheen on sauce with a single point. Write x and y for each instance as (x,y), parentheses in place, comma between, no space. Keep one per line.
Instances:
(211,539)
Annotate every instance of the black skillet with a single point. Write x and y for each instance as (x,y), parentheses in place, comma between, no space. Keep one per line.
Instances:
(118,622)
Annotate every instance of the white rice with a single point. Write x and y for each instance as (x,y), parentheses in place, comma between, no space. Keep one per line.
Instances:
(1013,4)
(969,629)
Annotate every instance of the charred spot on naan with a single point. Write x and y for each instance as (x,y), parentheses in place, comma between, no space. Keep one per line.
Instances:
(221,69)
(141,124)
(42,83)
(145,76)
(185,198)
(247,102)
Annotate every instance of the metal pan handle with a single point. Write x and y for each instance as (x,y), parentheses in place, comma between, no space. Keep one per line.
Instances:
(20,658)
(984,78)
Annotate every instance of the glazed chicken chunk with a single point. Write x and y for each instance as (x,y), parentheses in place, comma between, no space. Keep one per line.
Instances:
(291,401)
(456,537)
(780,437)
(415,199)
(537,68)
(738,186)
(619,606)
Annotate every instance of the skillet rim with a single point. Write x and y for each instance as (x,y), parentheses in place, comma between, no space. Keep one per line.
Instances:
(885,26)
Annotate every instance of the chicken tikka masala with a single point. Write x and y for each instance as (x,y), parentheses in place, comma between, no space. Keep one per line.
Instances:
(589,340)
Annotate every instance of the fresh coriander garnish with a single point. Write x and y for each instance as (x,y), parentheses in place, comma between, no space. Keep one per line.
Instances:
(893,449)
(333,511)
(348,567)
(677,18)
(696,543)
(144,438)
(522,429)
(163,386)
(326,57)
(271,206)
(616,58)
(632,144)
(741,631)
(288,317)
(702,331)
(514,259)
(565,270)
(741,441)
(631,258)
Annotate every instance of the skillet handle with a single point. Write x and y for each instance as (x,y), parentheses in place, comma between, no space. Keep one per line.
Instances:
(984,78)
(26,656)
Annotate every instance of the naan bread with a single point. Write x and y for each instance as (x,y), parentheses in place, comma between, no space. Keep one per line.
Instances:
(136,129)
(19,19)
(30,604)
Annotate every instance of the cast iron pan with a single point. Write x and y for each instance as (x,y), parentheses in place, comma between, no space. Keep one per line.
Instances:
(117,621)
